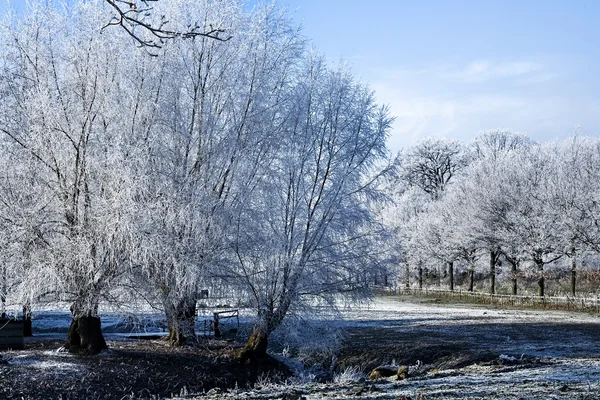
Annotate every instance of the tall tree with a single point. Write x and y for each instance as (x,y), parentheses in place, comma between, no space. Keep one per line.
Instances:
(63,83)
(218,107)
(529,224)
(573,185)
(309,231)
(488,184)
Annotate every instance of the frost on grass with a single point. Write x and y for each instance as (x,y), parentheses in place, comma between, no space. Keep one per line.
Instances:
(451,352)
(348,375)
(455,351)
(43,365)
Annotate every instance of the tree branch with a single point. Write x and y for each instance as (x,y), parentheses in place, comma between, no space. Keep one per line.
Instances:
(131,16)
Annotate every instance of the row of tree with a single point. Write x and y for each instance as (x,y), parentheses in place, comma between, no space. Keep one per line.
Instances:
(503,198)
(244,163)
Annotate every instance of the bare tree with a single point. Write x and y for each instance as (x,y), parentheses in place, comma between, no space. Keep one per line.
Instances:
(432,163)
(495,144)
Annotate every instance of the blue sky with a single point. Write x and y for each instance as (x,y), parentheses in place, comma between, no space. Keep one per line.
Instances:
(455,68)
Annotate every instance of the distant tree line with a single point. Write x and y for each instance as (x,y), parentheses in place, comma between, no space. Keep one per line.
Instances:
(502,199)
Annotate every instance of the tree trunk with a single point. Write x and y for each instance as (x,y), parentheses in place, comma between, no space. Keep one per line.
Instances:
(540,268)
(513,273)
(85,336)
(420,275)
(27,327)
(573,272)
(451,274)
(181,320)
(85,333)
(217,325)
(256,348)
(492,272)
(407,276)
(471,273)
(4,291)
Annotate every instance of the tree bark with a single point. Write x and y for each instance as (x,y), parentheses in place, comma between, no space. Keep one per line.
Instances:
(181,320)
(492,272)
(573,272)
(4,291)
(451,274)
(471,273)
(27,326)
(513,272)
(85,336)
(85,333)
(420,275)
(407,276)
(541,280)
(256,348)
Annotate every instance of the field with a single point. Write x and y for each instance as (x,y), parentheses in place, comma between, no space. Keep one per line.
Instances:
(451,351)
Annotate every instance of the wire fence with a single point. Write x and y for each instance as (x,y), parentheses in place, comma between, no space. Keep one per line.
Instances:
(570,303)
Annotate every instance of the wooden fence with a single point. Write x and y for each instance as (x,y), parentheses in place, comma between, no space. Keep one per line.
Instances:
(587,304)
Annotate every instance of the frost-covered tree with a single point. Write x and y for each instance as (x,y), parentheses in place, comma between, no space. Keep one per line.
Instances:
(529,226)
(517,201)
(305,235)
(460,238)
(432,163)
(436,233)
(218,108)
(496,144)
(489,189)
(399,216)
(573,186)
(63,119)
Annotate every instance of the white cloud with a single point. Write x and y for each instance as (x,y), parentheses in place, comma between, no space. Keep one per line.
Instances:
(460,118)
(487,70)
(461,102)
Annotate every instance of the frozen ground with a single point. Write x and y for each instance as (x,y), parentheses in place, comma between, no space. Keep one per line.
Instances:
(545,334)
(458,351)
(452,352)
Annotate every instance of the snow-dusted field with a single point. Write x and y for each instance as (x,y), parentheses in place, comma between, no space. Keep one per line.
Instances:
(554,334)
(452,351)
(456,351)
